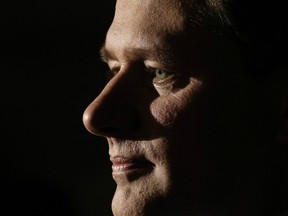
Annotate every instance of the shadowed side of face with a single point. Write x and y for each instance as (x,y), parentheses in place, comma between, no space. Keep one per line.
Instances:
(181,118)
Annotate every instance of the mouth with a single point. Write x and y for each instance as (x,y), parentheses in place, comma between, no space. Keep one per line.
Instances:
(130,167)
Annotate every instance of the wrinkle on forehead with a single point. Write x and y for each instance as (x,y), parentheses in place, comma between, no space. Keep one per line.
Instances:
(161,15)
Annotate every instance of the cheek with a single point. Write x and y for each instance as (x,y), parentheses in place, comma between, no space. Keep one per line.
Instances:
(166,109)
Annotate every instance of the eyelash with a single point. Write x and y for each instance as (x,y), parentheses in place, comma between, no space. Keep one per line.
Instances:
(156,75)
(111,73)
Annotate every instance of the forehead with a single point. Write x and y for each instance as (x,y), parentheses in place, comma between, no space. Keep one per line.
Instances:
(164,13)
(151,20)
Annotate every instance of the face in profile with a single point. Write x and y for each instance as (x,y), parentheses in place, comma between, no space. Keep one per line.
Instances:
(183,121)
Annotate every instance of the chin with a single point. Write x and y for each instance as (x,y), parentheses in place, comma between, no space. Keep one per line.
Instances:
(139,206)
(146,195)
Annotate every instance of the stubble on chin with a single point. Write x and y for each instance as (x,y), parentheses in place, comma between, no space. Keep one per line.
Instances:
(143,196)
(139,198)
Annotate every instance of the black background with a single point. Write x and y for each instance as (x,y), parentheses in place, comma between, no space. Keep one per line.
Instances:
(49,72)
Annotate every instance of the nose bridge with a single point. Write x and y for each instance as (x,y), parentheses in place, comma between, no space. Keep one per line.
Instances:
(113,111)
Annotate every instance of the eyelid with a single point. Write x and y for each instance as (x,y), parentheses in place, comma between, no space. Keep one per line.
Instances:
(152,66)
(153,70)
(112,70)
(114,66)
(157,82)
(112,63)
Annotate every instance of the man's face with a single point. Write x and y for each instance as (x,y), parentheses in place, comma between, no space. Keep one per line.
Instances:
(179,114)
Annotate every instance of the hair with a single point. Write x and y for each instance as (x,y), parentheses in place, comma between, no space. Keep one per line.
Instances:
(210,14)
(259,26)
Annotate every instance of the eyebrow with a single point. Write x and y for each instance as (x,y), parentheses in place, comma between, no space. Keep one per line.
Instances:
(164,57)
(104,54)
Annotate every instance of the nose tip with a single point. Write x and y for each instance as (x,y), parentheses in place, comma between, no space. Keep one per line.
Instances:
(99,119)
(114,113)
(87,121)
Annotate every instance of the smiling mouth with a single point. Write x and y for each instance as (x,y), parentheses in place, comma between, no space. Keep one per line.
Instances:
(124,166)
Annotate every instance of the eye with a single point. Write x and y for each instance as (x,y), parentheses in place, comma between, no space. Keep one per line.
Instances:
(164,81)
(111,72)
(161,74)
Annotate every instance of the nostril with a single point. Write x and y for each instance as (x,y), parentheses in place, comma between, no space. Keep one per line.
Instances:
(109,130)
(100,119)
(116,132)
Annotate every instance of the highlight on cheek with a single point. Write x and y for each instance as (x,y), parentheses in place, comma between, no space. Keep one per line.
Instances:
(164,111)
(163,91)
(169,104)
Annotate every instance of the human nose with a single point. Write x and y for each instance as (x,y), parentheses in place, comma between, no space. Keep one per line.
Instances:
(113,112)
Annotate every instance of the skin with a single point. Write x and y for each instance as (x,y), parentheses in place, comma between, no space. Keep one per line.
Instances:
(180,101)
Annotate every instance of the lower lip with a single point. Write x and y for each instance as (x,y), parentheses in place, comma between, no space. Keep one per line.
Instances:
(129,167)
